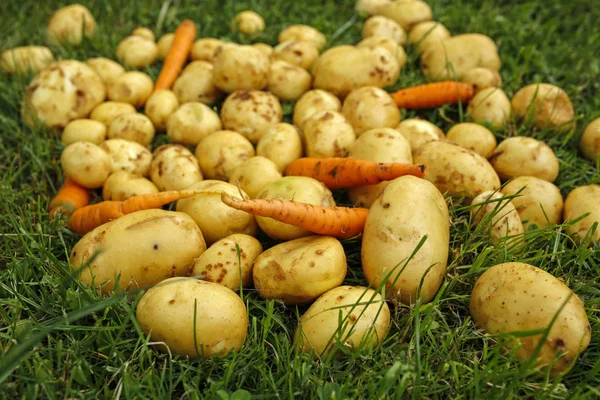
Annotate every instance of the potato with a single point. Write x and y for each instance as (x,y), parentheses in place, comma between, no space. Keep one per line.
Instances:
(195,84)
(546,105)
(382,26)
(300,270)
(63,91)
(87,164)
(380,145)
(300,53)
(303,33)
(370,107)
(193,318)
(406,13)
(127,156)
(137,52)
(222,220)
(144,32)
(132,87)
(221,263)
(387,43)
(159,107)
(121,185)
(254,174)
(281,144)
(370,7)
(353,316)
(204,49)
(220,153)
(455,170)
(240,67)
(518,297)
(499,215)
(248,22)
(473,137)
(21,60)
(405,211)
(164,45)
(288,82)
(109,110)
(83,130)
(107,69)
(265,48)
(482,78)
(192,122)
(174,167)
(298,188)
(520,155)
(134,127)
(589,143)
(490,106)
(251,113)
(328,134)
(538,202)
(418,132)
(580,201)
(427,34)
(71,23)
(312,102)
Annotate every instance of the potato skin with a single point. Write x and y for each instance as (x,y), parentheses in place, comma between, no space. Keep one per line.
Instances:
(582,200)
(248,22)
(20,60)
(312,102)
(137,52)
(473,137)
(328,134)
(407,13)
(369,108)
(66,23)
(281,144)
(407,209)
(590,140)
(505,224)
(387,43)
(427,34)
(164,45)
(159,106)
(83,130)
(539,203)
(514,296)
(109,110)
(300,53)
(221,152)
(127,156)
(418,132)
(122,185)
(174,167)
(192,122)
(204,49)
(107,69)
(133,87)
(87,164)
(304,33)
(547,105)
(240,67)
(288,82)
(254,174)
(379,25)
(133,127)
(196,84)
(490,106)
(521,155)
(482,78)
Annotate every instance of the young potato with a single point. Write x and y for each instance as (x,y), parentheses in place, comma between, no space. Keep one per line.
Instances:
(520,155)
(159,107)
(580,201)
(133,87)
(137,52)
(387,43)
(87,164)
(473,137)
(221,263)
(195,84)
(427,34)
(83,130)
(590,140)
(328,134)
(407,13)
(191,123)
(164,45)
(300,53)
(300,270)
(127,156)
(174,167)
(221,220)
(490,106)
(109,110)
(122,185)
(381,26)
(71,23)
(405,211)
(204,49)
(134,127)
(370,7)
(288,82)
(518,297)
(240,67)
(265,48)
(193,318)
(255,174)
(248,22)
(107,69)
(370,107)
(538,202)
(297,188)
(546,105)
(482,78)
(251,113)
(418,132)
(144,32)
(221,152)
(21,60)
(312,102)
(503,221)
(281,144)
(303,33)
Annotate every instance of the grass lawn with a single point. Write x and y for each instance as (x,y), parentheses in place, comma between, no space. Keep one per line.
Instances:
(58,339)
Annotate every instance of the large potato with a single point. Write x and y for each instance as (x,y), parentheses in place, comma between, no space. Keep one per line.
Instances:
(590,140)
(369,108)
(220,153)
(137,52)
(312,102)
(328,134)
(192,122)
(196,84)
(83,130)
(87,164)
(521,155)
(107,69)
(418,132)
(288,82)
(407,209)
(407,13)
(546,105)
(281,144)
(303,33)
(204,49)
(127,156)
(427,34)
(21,60)
(122,185)
(159,107)
(473,137)
(109,110)
(497,213)
(381,26)
(490,106)
(300,270)
(300,53)
(387,43)
(254,174)
(138,249)
(538,202)
(174,167)
(240,67)
(515,297)
(580,201)
(71,23)
(134,127)
(133,87)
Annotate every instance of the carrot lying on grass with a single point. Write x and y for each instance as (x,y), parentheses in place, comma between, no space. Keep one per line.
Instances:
(433,95)
(339,222)
(69,198)
(339,172)
(185,34)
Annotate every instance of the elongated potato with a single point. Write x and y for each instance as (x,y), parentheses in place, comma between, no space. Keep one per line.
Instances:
(255,174)
(546,105)
(503,221)
(580,201)
(127,156)
(473,137)
(490,106)
(20,60)
(328,134)
(312,102)
(174,167)
(590,140)
(418,132)
(370,107)
(538,202)
(281,144)
(521,155)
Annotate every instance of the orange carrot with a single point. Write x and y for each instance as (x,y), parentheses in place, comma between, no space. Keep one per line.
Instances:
(69,198)
(339,172)
(433,95)
(339,222)
(185,34)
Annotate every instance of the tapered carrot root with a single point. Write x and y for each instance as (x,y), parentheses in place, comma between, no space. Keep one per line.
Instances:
(185,34)
(339,222)
(69,198)
(433,95)
(339,172)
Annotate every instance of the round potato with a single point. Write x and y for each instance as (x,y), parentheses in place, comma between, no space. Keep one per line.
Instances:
(129,156)
(71,23)
(84,130)
(134,127)
(87,164)
(204,49)
(328,134)
(390,45)
(137,52)
(370,107)
(407,13)
(538,202)
(590,141)
(220,153)
(195,84)
(240,67)
(159,107)
(132,87)
(107,69)
(109,110)
(427,34)
(482,78)
(381,26)
(370,7)
(122,185)
(164,45)
(281,144)
(192,122)
(580,201)
(288,82)
(254,174)
(498,215)
(312,102)
(490,106)
(144,32)
(265,48)
(174,167)
(520,155)
(300,53)
(21,60)
(303,33)
(473,137)
(546,105)
(418,132)
(248,22)
(300,270)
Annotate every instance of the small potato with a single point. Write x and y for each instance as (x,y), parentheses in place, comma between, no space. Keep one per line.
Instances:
(590,141)
(144,32)
(122,185)
(300,53)
(193,318)
(137,52)
(84,130)
(127,156)
(87,164)
(132,87)
(387,43)
(164,45)
(498,214)
(109,110)
(70,23)
(288,82)
(538,202)
(473,137)
(490,106)
(520,155)
(580,201)
(251,113)
(21,60)
(248,22)
(482,78)
(265,48)
(221,152)
(107,69)
(204,49)
(382,26)
(418,132)
(134,127)
(222,264)
(312,102)
(240,67)
(254,174)
(407,13)
(174,167)
(195,84)
(159,107)
(303,33)
(369,108)
(328,134)
(427,34)
(191,123)
(370,7)
(546,105)
(281,144)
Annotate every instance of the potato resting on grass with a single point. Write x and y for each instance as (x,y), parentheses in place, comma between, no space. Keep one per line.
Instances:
(191,123)
(107,69)
(473,137)
(21,60)
(174,167)
(369,108)
(521,155)
(281,144)
(546,105)
(254,174)
(87,164)
(221,152)
(312,102)
(159,106)
(580,201)
(127,156)
(590,140)
(503,221)
(132,87)
(71,23)
(84,130)
(122,185)
(137,52)
(248,22)
(427,34)
(482,78)
(490,106)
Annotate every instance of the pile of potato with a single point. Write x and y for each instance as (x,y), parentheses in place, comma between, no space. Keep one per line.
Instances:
(110,118)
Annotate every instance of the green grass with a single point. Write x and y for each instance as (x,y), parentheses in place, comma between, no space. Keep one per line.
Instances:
(59,339)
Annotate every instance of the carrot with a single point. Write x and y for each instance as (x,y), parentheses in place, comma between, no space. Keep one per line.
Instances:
(433,95)
(69,198)
(339,172)
(185,34)
(339,222)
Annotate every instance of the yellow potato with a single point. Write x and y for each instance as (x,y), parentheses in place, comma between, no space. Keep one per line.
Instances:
(109,110)
(538,202)
(87,164)
(71,23)
(159,107)
(281,144)
(137,52)
(312,102)
(482,78)
(254,174)
(288,82)
(580,201)
(328,134)
(122,185)
(499,216)
(240,67)
(127,156)
(133,87)
(265,48)
(382,26)
(21,60)
(369,108)
(303,33)
(300,53)
(590,141)
(248,22)
(490,106)
(387,43)
(521,155)
(134,127)
(83,130)
(370,7)
(164,45)
(473,137)
(204,49)
(427,34)
(146,33)
(220,153)
(195,84)
(418,132)
(174,167)
(192,122)
(108,70)
(546,105)
(407,13)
